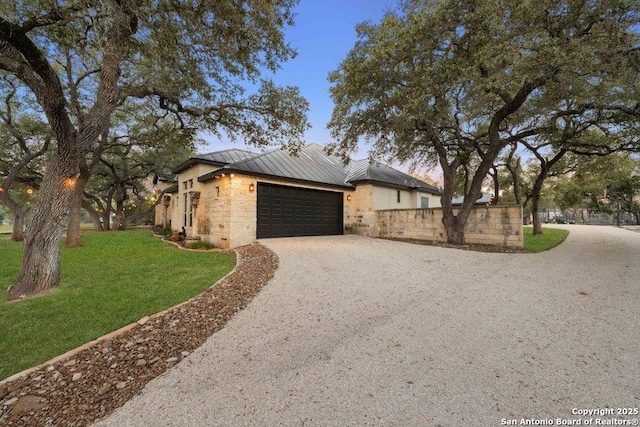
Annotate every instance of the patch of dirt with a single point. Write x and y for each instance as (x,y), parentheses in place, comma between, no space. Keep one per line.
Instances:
(94,382)
(466,247)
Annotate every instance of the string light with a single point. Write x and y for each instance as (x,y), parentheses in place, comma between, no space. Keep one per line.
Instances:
(70,182)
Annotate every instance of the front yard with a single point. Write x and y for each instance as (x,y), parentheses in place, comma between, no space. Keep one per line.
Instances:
(115,279)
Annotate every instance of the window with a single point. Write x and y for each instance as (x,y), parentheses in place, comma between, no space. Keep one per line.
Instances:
(424,202)
(186,196)
(184,184)
(188,210)
(217,191)
(190,183)
(398,196)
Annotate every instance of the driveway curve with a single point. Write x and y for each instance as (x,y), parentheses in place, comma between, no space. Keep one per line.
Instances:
(360,331)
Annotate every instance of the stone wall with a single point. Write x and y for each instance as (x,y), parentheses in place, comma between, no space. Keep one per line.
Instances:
(493,225)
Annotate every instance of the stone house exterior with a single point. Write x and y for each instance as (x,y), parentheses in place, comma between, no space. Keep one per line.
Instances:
(232,197)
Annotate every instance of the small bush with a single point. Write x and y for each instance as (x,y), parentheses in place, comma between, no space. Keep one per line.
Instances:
(201,245)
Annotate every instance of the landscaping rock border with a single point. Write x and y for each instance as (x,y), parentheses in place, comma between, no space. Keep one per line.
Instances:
(89,384)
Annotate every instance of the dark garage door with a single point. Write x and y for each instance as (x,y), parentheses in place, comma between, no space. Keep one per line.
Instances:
(289,211)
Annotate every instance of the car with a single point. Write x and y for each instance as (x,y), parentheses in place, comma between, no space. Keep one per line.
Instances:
(559,219)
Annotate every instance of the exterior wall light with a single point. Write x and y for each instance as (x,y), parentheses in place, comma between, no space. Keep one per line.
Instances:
(29,191)
(252,187)
(348,197)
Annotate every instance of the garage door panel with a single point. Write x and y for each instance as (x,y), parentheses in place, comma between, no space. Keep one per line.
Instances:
(289,211)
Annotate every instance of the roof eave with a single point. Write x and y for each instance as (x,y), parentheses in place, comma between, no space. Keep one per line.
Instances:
(193,161)
(212,175)
(396,186)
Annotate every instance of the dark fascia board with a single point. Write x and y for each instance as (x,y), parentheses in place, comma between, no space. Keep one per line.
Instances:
(192,161)
(396,186)
(172,189)
(211,175)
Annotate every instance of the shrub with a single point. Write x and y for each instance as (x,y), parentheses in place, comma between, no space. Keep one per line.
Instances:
(201,245)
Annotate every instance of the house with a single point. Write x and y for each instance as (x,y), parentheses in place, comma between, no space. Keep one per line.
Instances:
(232,197)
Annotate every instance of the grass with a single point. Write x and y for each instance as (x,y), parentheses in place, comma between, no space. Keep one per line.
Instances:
(550,238)
(115,279)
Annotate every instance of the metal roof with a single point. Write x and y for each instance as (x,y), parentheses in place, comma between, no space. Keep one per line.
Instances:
(365,171)
(485,199)
(313,165)
(216,158)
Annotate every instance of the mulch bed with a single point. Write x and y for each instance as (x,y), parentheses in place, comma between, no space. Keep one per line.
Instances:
(91,384)
(466,247)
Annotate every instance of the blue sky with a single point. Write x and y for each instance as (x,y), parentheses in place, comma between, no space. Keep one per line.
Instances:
(323,34)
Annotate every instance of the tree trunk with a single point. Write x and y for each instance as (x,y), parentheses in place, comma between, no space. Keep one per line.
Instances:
(453,224)
(496,184)
(17,234)
(95,217)
(536,193)
(455,230)
(41,253)
(119,223)
(516,180)
(74,236)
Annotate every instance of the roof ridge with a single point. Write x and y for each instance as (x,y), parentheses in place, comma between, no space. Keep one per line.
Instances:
(257,156)
(225,150)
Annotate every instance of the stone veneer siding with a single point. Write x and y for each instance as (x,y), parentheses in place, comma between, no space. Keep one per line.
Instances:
(493,225)
(228,218)
(359,215)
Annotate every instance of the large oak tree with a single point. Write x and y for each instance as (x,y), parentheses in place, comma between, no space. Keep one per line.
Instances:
(444,81)
(187,55)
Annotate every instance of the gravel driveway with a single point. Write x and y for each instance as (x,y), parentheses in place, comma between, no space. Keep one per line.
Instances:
(359,331)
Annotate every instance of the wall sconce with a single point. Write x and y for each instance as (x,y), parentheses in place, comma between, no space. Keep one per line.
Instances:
(348,197)
(252,187)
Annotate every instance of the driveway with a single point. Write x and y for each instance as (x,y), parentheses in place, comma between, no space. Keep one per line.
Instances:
(359,331)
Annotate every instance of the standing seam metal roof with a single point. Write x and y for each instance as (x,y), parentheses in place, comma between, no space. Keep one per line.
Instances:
(220,158)
(312,164)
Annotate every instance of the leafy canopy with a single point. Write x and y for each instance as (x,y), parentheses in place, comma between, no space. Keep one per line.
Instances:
(192,57)
(438,81)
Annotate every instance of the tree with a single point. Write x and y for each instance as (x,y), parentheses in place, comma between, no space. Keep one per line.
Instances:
(24,139)
(442,81)
(120,184)
(188,56)
(598,182)
(134,128)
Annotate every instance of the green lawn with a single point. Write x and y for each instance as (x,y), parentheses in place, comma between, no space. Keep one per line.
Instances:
(115,279)
(550,237)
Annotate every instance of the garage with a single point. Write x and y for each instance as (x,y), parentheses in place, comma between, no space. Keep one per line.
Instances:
(285,211)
